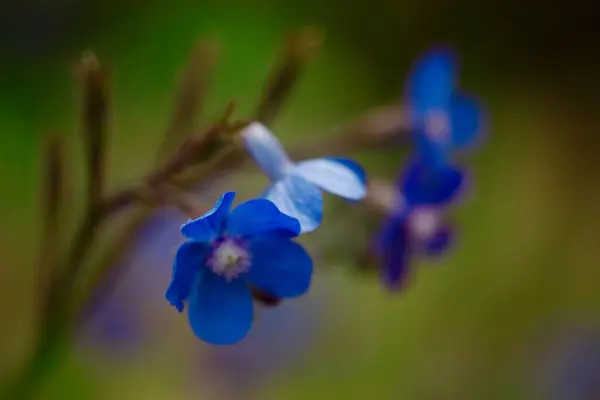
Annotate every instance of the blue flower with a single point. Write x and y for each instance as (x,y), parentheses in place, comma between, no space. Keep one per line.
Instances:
(225,252)
(415,222)
(443,119)
(296,187)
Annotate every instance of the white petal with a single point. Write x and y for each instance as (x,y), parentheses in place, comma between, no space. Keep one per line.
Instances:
(266,150)
(333,177)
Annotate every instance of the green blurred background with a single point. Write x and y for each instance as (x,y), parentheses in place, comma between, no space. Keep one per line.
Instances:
(526,267)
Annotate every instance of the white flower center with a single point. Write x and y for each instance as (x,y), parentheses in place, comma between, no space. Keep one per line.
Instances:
(424,223)
(229,258)
(437,126)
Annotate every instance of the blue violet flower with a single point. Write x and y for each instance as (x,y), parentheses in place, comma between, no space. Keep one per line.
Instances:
(416,221)
(225,253)
(444,120)
(296,187)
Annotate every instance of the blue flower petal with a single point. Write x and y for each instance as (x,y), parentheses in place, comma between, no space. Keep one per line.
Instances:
(280,267)
(208,226)
(431,86)
(260,217)
(467,121)
(427,186)
(220,312)
(394,252)
(266,150)
(353,165)
(189,261)
(432,81)
(435,154)
(298,198)
(334,177)
(439,243)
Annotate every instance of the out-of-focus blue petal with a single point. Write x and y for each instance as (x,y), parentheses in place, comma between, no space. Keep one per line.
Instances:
(188,264)
(119,328)
(569,365)
(260,217)
(394,252)
(111,323)
(435,154)
(280,267)
(208,226)
(467,121)
(298,198)
(334,177)
(220,312)
(354,166)
(429,186)
(430,88)
(266,150)
(432,81)
(439,243)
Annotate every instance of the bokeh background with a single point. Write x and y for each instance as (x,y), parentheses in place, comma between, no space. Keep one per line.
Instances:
(512,313)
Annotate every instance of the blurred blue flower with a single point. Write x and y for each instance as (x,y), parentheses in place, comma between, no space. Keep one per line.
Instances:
(111,325)
(227,251)
(415,222)
(296,187)
(570,366)
(115,321)
(443,119)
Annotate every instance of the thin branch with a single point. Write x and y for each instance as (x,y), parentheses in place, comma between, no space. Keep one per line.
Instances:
(190,96)
(108,268)
(169,195)
(376,129)
(298,49)
(95,99)
(195,149)
(52,199)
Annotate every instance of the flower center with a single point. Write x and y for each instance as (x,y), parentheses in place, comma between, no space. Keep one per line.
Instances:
(424,223)
(229,258)
(386,198)
(437,125)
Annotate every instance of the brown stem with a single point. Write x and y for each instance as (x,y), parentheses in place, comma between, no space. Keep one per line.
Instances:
(53,181)
(298,48)
(95,112)
(190,96)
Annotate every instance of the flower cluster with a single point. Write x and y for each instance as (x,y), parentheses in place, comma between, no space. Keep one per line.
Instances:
(444,121)
(228,253)
(229,256)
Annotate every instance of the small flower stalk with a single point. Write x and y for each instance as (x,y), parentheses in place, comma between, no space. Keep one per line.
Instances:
(95,122)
